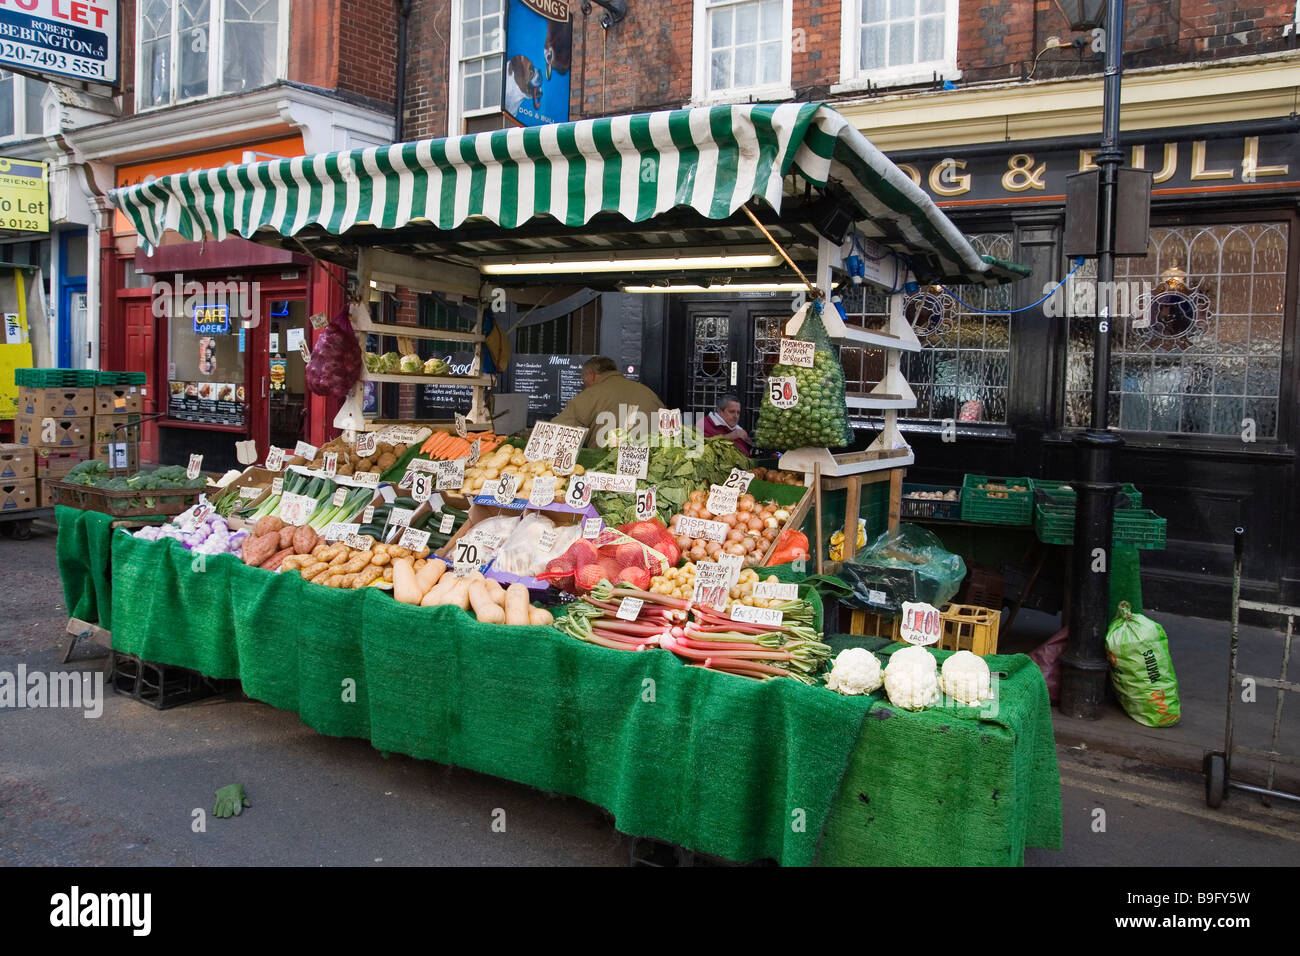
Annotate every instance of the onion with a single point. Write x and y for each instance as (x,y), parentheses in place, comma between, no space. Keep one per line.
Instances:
(755,524)
(713,549)
(745,503)
(735,549)
(734,535)
(728,520)
(683,542)
(771,523)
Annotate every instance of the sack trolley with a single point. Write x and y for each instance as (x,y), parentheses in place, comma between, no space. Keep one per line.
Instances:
(1218,764)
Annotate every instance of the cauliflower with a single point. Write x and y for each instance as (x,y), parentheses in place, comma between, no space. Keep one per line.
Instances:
(411,364)
(855,671)
(911,680)
(965,678)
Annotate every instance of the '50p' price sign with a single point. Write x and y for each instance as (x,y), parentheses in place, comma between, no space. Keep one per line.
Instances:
(783,390)
(645,504)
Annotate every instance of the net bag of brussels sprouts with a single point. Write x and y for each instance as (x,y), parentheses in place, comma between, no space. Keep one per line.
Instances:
(804,406)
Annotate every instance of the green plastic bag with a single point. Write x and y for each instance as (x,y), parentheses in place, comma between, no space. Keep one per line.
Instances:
(819,419)
(1142,672)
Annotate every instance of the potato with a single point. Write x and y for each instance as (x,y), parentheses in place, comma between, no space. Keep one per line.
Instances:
(264,525)
(399,449)
(304,540)
(260,547)
(286,537)
(346,470)
(311,572)
(387,460)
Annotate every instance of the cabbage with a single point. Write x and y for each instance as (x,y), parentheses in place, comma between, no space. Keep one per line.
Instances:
(411,365)
(436,366)
(390,363)
(374,362)
(335,364)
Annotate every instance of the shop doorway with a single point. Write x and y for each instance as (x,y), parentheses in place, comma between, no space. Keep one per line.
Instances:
(141,357)
(731,345)
(286,400)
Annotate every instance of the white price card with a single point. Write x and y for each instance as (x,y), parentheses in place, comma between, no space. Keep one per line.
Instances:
(423,464)
(563,461)
(400,517)
(451,474)
(548,438)
(542,492)
(783,390)
(467,552)
(340,496)
(739,479)
(246,492)
(368,515)
(475,447)
(461,430)
(117,456)
(711,588)
(277,486)
(402,434)
(505,490)
(338,530)
(700,528)
(274,458)
(669,422)
(331,464)
(463,569)
(591,527)
(579,494)
(768,617)
(422,487)
(604,481)
(723,500)
(195,467)
(773,591)
(367,442)
(318,321)
(359,542)
(797,352)
(646,503)
(414,539)
(246,452)
(546,543)
(920,623)
(305,451)
(446,524)
(633,460)
(874,597)
(733,563)
(407,478)
(629,608)
(366,479)
(297,509)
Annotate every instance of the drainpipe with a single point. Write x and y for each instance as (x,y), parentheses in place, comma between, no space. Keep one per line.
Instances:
(404,17)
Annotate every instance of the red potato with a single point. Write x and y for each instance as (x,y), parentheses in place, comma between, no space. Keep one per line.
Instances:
(260,547)
(273,562)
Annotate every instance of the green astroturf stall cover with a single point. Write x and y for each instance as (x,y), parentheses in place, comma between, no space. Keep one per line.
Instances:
(720,764)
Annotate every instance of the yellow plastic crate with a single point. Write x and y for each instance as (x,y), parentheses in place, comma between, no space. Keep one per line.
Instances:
(966,627)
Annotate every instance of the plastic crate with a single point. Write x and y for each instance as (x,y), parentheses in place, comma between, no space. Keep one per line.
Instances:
(999,504)
(160,685)
(929,507)
(110,379)
(1052,491)
(985,587)
(1139,527)
(964,627)
(55,377)
(868,623)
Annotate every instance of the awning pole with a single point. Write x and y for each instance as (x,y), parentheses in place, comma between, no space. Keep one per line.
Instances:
(813,290)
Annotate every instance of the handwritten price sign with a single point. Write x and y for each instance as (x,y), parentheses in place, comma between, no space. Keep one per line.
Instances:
(783,390)
(921,624)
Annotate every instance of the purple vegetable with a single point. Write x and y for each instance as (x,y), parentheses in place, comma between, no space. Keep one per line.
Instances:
(335,364)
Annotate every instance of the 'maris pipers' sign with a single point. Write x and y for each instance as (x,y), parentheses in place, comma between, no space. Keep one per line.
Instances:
(539,52)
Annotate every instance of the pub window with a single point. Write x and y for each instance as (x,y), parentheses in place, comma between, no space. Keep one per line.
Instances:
(477,56)
(577,333)
(963,371)
(1199,348)
(896,42)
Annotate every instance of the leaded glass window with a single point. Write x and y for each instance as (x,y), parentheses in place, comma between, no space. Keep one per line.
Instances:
(1198,346)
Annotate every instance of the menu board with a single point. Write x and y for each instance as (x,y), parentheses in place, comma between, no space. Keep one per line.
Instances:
(210,403)
(549,381)
(441,401)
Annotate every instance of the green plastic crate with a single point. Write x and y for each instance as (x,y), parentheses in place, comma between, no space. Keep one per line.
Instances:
(1140,527)
(1057,492)
(979,504)
(55,377)
(109,379)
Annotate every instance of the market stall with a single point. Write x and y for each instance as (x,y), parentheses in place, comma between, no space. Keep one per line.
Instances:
(419,564)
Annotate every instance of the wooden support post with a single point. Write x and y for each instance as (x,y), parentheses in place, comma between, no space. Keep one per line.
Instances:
(817,509)
(895,497)
(852,505)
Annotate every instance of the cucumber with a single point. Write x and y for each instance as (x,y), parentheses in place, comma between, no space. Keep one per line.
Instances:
(408,503)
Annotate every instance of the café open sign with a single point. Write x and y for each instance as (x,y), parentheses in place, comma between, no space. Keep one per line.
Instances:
(64,38)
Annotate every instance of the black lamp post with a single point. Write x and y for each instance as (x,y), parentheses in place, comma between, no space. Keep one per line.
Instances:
(1084,667)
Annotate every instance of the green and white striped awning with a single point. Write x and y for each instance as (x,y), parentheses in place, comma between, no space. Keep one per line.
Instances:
(711,160)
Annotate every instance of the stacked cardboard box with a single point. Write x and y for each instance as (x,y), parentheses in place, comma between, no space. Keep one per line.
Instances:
(53,425)
(17,478)
(117,420)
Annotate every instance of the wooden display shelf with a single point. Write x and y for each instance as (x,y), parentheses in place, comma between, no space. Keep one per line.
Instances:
(883,340)
(851,463)
(877,400)
(418,332)
(469,381)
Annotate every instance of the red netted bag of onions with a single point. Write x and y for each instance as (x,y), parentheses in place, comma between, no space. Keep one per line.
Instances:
(335,364)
